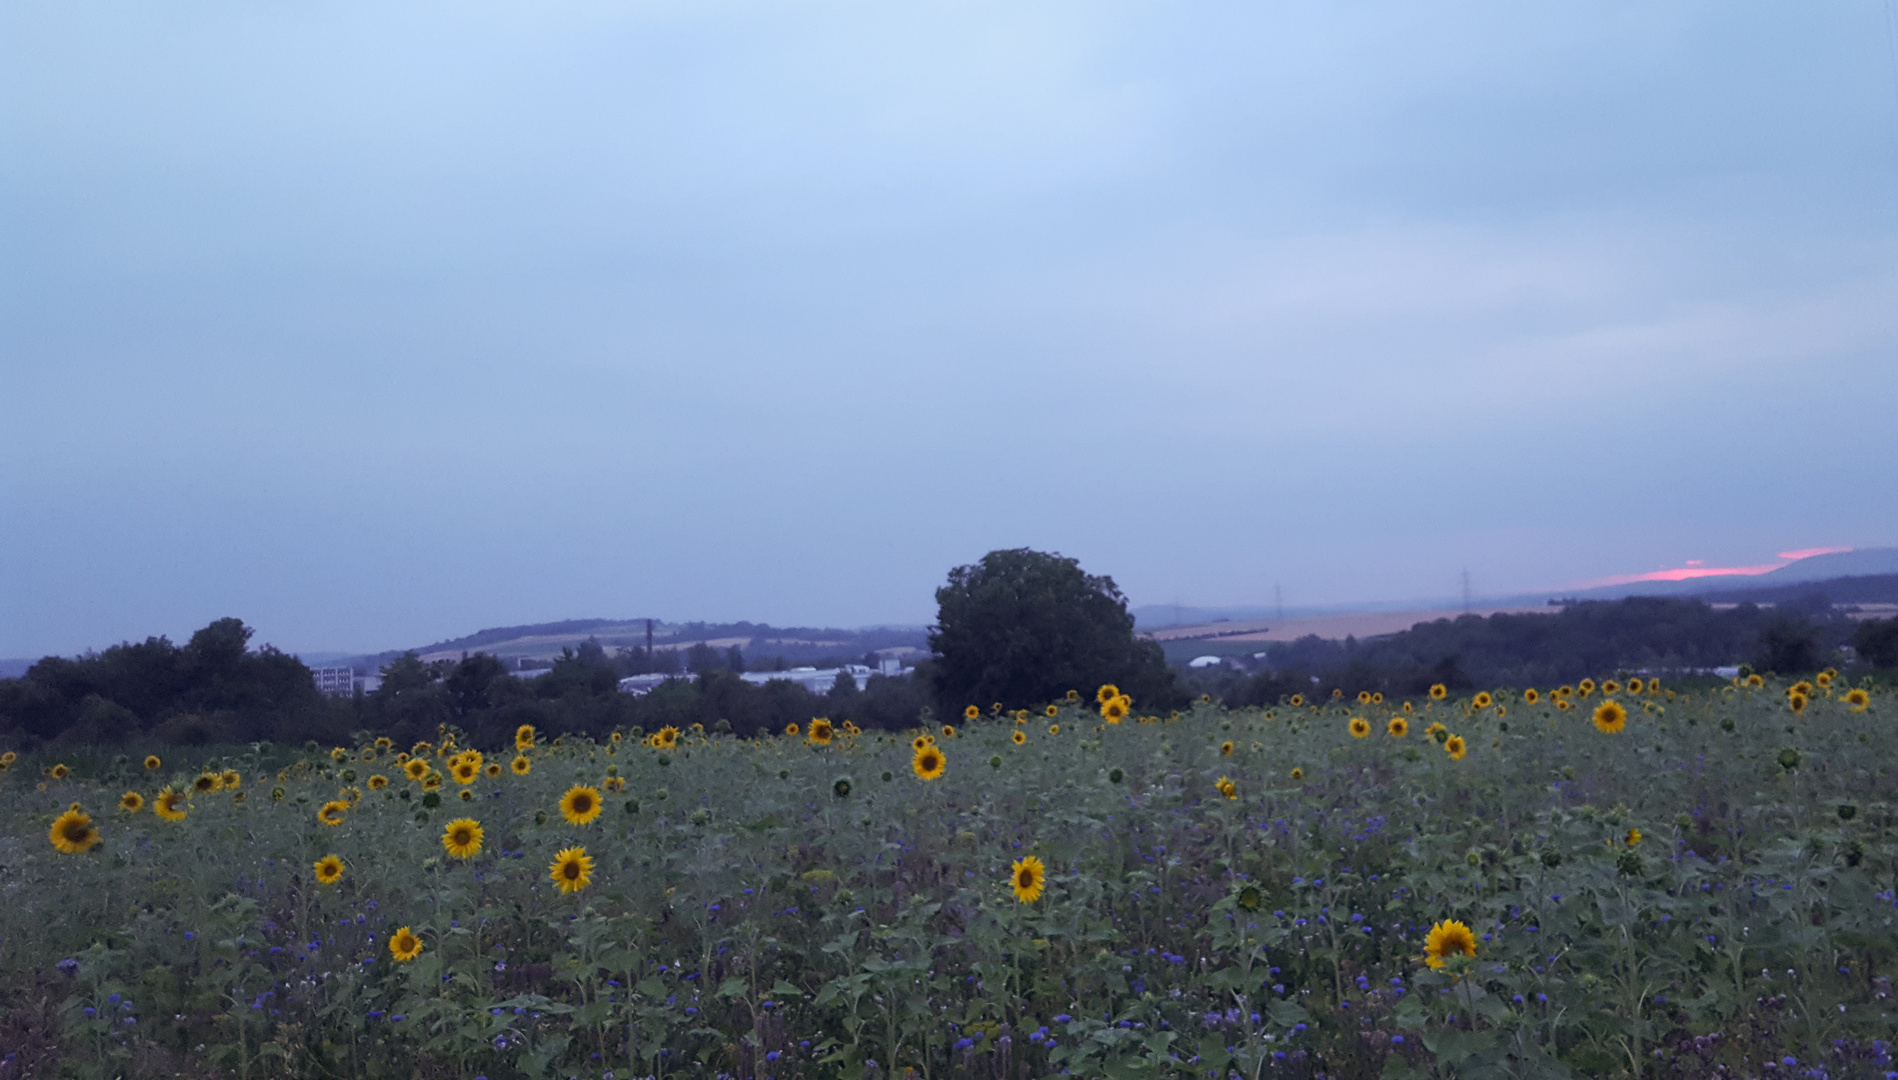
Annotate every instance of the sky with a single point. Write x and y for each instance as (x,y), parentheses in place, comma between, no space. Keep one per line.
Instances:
(377,323)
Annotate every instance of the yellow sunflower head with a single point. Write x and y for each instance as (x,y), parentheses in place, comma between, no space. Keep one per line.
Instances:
(491,770)
(1530,697)
(921,741)
(462,838)
(821,732)
(1115,710)
(1439,692)
(1298,700)
(1482,700)
(383,743)
(1298,774)
(152,764)
(1585,687)
(969,712)
(432,782)
(465,772)
(1226,748)
(1610,717)
(333,813)
(524,736)
(792,730)
(1398,727)
(1455,747)
(169,804)
(520,765)
(1027,877)
(231,780)
(1360,727)
(415,768)
(329,870)
(1054,729)
(929,763)
(72,832)
(1226,787)
(1018,737)
(1074,695)
(1635,685)
(1796,702)
(206,783)
(1633,837)
(1858,699)
(572,869)
(1051,711)
(580,805)
(131,802)
(1448,938)
(404,945)
(1106,694)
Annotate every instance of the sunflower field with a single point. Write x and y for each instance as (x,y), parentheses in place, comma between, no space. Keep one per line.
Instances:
(1613,879)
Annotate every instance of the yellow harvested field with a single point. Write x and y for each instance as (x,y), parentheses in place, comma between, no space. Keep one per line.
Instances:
(1339,625)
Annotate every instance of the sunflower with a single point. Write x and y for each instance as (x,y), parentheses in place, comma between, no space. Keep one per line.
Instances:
(1482,700)
(921,741)
(1633,837)
(465,795)
(1755,681)
(580,804)
(1455,747)
(1610,717)
(1406,708)
(1562,704)
(1448,938)
(1530,697)
(231,780)
(572,869)
(1797,703)
(1858,699)
(1226,787)
(521,765)
(668,737)
(1249,898)
(206,783)
(1377,697)
(1027,877)
(1398,727)
(948,731)
(404,945)
(852,729)
(333,812)
(1823,680)
(929,763)
(1106,694)
(462,838)
(1226,748)
(432,782)
(422,749)
(72,832)
(1018,737)
(791,730)
(1360,727)
(329,870)
(1298,774)
(1654,684)
(1800,687)
(614,784)
(821,732)
(1364,697)
(1074,695)
(1585,687)
(524,737)
(131,802)
(415,768)
(1297,701)
(378,782)
(152,764)
(1439,692)
(1114,712)
(383,742)
(169,804)
(1052,710)
(1635,685)
(1054,729)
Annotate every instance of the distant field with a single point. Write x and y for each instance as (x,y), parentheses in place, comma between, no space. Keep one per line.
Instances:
(1233,638)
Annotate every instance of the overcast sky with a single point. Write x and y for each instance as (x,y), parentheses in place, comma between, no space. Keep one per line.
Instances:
(376,323)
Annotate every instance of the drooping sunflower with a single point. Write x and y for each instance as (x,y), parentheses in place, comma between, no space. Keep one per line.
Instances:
(1438,692)
(404,945)
(383,743)
(821,732)
(1398,727)
(1226,787)
(1226,748)
(1755,681)
(1482,700)
(580,805)
(929,763)
(1610,717)
(1858,699)
(333,813)
(152,764)
(1455,747)
(339,754)
(1797,703)
(422,749)
(131,802)
(1530,697)
(433,781)
(329,870)
(572,869)
(921,741)
(1106,694)
(206,783)
(169,804)
(524,737)
(1028,877)
(1448,938)
(1360,727)
(72,832)
(1114,711)
(462,838)
(378,782)
(1635,685)
(1018,737)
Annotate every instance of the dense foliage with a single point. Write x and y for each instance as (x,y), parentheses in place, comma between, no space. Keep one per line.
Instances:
(1704,889)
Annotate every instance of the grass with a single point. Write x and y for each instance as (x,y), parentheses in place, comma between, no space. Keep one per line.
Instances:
(779,909)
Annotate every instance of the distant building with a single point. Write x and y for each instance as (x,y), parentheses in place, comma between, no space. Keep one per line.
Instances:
(335,681)
(816,680)
(641,685)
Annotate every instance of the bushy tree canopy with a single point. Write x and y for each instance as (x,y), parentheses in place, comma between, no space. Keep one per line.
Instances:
(1024,627)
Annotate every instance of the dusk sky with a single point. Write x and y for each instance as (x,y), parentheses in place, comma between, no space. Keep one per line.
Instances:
(374,324)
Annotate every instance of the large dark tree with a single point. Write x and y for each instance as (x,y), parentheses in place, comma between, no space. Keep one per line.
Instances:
(1024,627)
(1877,642)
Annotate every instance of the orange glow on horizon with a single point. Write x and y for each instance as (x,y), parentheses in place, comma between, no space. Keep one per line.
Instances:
(1807,553)
(1696,568)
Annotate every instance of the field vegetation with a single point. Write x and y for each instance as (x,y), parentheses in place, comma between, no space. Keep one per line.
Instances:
(1624,879)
